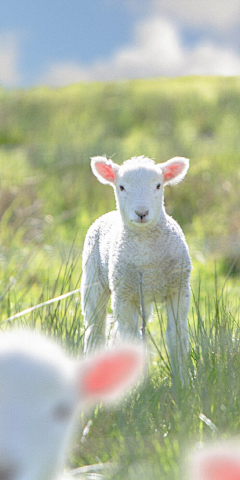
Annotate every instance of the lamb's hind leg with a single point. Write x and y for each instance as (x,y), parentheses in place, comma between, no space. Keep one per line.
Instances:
(94,306)
(178,302)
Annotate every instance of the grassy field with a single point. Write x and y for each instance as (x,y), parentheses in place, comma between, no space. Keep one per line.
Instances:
(48,199)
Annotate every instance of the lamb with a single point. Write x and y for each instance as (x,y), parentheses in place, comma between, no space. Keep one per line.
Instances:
(137,237)
(41,389)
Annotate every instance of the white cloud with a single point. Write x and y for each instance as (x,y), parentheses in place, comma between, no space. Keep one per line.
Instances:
(157,50)
(219,14)
(210,59)
(9,55)
(64,73)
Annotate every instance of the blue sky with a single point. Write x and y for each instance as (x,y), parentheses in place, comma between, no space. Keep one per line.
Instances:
(59,42)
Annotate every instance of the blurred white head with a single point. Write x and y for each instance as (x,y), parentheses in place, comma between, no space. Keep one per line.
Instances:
(41,390)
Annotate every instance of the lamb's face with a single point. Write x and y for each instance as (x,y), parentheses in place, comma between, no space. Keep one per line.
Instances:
(139,194)
(138,185)
(37,407)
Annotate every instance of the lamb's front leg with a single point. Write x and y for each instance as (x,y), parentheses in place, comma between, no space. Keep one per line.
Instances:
(129,317)
(126,313)
(178,302)
(95,300)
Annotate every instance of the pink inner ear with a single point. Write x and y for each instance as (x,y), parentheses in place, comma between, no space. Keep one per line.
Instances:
(106,171)
(107,374)
(171,171)
(221,469)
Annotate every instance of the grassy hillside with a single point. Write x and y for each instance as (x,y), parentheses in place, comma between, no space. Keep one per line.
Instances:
(47,136)
(48,199)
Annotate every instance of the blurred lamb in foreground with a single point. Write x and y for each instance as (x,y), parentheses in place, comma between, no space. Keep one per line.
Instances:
(137,237)
(41,391)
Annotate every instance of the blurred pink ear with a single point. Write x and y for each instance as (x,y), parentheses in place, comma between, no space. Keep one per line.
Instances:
(217,468)
(219,461)
(107,375)
(105,170)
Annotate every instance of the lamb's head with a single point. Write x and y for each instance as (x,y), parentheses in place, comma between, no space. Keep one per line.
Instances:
(36,403)
(41,390)
(138,185)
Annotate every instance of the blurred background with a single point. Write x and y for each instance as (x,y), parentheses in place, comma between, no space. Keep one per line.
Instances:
(58,43)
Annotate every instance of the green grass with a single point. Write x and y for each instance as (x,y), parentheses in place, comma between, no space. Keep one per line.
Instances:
(49,198)
(150,431)
(153,429)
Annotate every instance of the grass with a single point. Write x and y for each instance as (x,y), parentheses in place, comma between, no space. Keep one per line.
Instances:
(48,199)
(151,430)
(57,313)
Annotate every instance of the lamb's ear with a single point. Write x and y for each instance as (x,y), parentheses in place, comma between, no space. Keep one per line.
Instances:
(107,375)
(105,170)
(221,469)
(174,170)
(219,462)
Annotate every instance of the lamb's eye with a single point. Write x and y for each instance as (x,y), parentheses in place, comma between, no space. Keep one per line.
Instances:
(158,186)
(121,187)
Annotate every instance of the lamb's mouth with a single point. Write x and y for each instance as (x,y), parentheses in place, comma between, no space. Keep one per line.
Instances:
(141,222)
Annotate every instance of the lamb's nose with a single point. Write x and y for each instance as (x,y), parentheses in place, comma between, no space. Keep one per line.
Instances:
(142,214)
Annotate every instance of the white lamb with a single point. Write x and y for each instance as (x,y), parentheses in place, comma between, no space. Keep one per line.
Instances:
(137,237)
(41,390)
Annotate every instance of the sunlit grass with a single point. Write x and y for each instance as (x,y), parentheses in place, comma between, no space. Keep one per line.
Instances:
(49,198)
(149,432)
(152,431)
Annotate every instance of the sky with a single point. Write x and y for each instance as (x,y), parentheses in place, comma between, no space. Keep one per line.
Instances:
(60,42)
